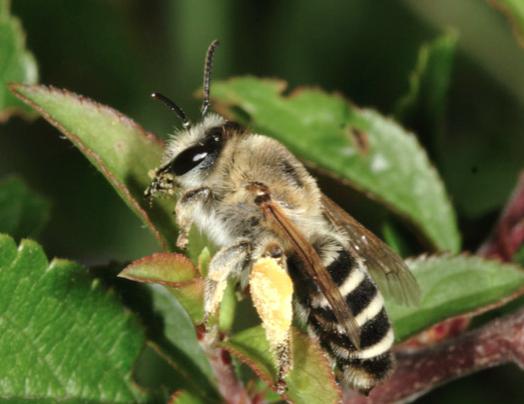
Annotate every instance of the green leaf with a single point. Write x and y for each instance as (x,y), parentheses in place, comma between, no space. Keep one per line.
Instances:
(23,212)
(203,260)
(173,358)
(188,356)
(175,271)
(310,381)
(191,297)
(372,153)
(228,307)
(119,148)
(162,268)
(514,11)
(452,286)
(63,337)
(423,107)
(16,63)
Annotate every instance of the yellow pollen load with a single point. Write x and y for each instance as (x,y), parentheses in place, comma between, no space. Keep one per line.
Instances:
(272,290)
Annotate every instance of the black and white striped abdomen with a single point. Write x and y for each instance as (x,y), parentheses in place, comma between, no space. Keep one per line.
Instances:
(363,368)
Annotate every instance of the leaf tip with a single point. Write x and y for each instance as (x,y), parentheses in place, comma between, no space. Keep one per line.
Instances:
(124,274)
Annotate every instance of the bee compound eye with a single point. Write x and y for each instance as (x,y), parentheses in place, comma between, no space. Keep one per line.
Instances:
(188,160)
(199,153)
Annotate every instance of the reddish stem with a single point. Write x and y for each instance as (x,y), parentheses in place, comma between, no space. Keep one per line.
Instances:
(508,235)
(230,387)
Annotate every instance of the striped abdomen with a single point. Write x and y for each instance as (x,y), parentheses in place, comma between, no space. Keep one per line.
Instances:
(364,368)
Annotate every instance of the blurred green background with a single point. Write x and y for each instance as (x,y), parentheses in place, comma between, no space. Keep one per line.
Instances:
(118,52)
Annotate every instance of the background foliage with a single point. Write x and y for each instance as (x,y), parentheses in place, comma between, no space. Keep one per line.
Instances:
(450,71)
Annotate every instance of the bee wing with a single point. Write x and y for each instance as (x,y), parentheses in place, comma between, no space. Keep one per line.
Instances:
(387,269)
(312,266)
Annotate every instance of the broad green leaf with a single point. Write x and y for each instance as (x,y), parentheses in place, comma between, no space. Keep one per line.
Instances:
(374,154)
(455,285)
(23,212)
(175,271)
(422,107)
(16,63)
(310,381)
(514,11)
(63,337)
(188,356)
(122,150)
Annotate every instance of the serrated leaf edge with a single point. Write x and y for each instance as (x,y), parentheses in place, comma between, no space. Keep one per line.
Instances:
(18,88)
(27,243)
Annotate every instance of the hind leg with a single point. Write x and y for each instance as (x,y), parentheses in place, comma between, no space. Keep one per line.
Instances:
(272,291)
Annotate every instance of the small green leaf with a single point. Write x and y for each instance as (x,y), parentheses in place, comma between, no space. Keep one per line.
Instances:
(63,336)
(16,63)
(228,308)
(204,259)
(122,150)
(452,286)
(374,154)
(514,11)
(423,107)
(310,381)
(175,271)
(23,213)
(163,268)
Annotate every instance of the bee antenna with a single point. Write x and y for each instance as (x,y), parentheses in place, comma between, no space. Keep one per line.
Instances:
(208,67)
(173,107)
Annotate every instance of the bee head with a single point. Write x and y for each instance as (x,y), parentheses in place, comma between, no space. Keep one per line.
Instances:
(193,151)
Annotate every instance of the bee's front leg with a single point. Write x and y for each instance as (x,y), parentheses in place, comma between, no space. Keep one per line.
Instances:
(185,208)
(272,292)
(228,261)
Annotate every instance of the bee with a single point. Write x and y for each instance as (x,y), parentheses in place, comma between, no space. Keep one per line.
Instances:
(263,210)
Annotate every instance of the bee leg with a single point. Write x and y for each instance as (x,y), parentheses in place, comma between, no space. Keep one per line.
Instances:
(228,261)
(184,210)
(272,292)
